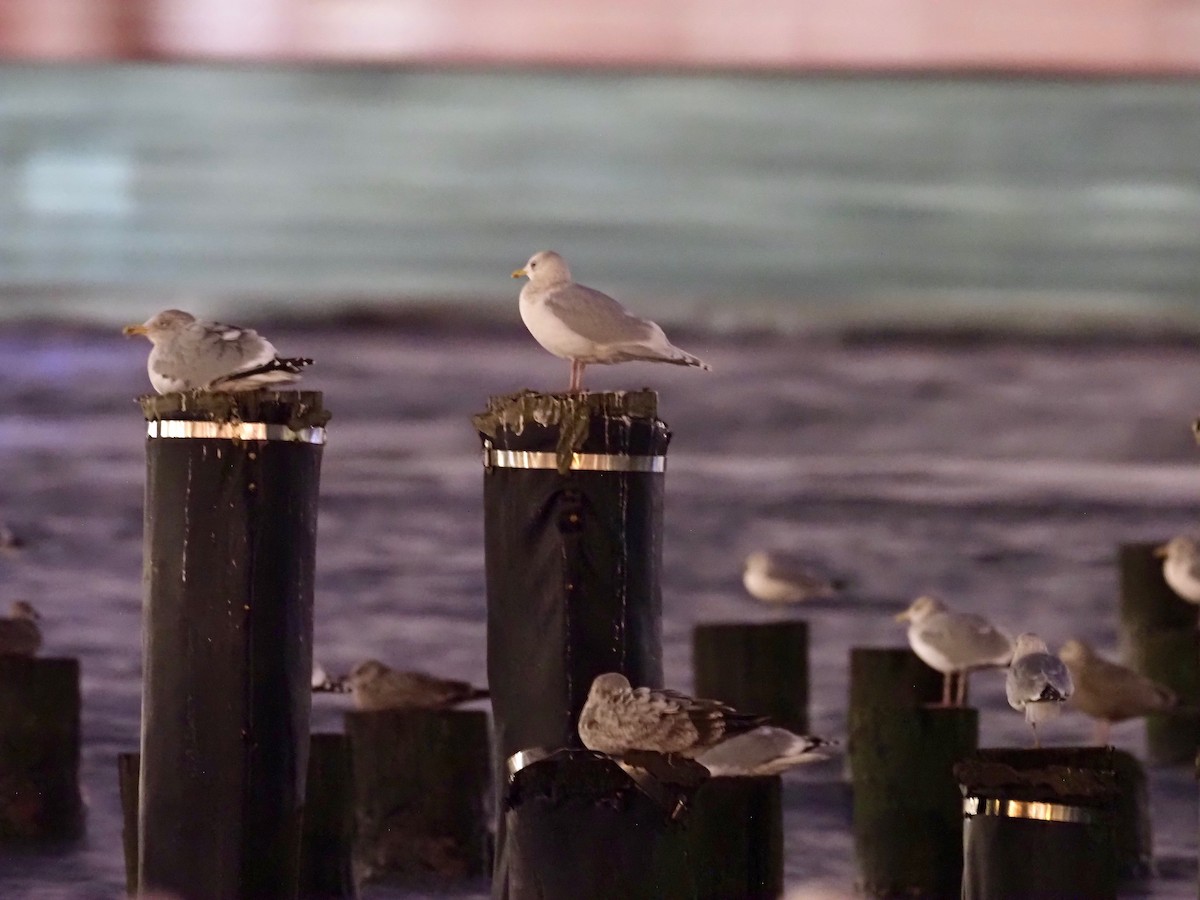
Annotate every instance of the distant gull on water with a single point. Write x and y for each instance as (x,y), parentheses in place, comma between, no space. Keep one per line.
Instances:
(376,686)
(193,354)
(954,643)
(1109,692)
(774,579)
(585,326)
(618,719)
(1181,566)
(1038,682)
(20,634)
(766,750)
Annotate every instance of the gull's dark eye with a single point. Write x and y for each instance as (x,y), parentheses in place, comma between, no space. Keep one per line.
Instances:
(533,265)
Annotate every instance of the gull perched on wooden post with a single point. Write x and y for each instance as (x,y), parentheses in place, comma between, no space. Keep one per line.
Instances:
(193,354)
(1109,692)
(1181,566)
(376,686)
(585,326)
(1038,682)
(20,634)
(618,719)
(954,643)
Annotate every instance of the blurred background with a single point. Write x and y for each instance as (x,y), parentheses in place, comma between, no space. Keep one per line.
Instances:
(1023,163)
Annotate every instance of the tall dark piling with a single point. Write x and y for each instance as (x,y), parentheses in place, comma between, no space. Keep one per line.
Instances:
(1040,823)
(1159,638)
(421,780)
(573,499)
(39,749)
(327,837)
(129,766)
(760,668)
(743,859)
(907,806)
(230,540)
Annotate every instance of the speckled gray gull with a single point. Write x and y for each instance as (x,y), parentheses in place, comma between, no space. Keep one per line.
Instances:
(193,354)
(1038,682)
(954,643)
(1181,566)
(775,579)
(618,719)
(766,750)
(376,686)
(1110,692)
(584,326)
(19,633)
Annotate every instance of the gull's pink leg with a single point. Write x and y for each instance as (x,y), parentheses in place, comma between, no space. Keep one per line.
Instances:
(961,699)
(946,688)
(576,377)
(1102,735)
(1036,741)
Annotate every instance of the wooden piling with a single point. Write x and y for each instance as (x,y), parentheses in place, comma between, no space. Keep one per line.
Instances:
(742,860)
(1040,823)
(421,779)
(326,849)
(760,668)
(1159,638)
(230,532)
(907,806)
(327,836)
(573,494)
(39,749)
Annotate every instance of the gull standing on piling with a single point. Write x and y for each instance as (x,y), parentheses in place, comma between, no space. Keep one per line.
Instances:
(1109,692)
(585,326)
(193,354)
(618,719)
(954,643)
(1038,682)
(19,633)
(775,580)
(376,686)
(1181,566)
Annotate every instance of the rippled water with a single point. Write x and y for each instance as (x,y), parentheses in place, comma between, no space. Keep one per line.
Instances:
(1000,475)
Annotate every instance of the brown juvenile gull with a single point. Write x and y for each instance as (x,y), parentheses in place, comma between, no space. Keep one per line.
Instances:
(618,719)
(773,579)
(193,354)
(765,750)
(954,643)
(585,326)
(1181,566)
(19,634)
(1109,692)
(375,686)
(1038,682)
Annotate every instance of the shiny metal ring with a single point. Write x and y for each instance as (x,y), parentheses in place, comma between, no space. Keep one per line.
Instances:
(233,431)
(580,462)
(1029,809)
(523,758)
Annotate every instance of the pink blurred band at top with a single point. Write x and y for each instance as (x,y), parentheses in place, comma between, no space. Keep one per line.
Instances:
(1067,36)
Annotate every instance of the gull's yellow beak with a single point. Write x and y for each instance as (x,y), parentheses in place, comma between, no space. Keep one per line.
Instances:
(131,330)
(519,273)
(1161,551)
(902,617)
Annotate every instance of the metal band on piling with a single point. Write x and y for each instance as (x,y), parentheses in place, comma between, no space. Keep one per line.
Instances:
(579,462)
(1028,809)
(234,431)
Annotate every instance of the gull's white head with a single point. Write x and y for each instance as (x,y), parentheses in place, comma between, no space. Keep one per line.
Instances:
(23,610)
(546,267)
(1027,643)
(921,608)
(1074,652)
(1182,546)
(164,323)
(366,672)
(608,684)
(758,561)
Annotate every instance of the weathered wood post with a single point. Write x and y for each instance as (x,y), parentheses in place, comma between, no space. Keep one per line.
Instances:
(907,806)
(129,766)
(39,749)
(1040,823)
(230,540)
(755,667)
(421,779)
(573,494)
(327,837)
(1159,638)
